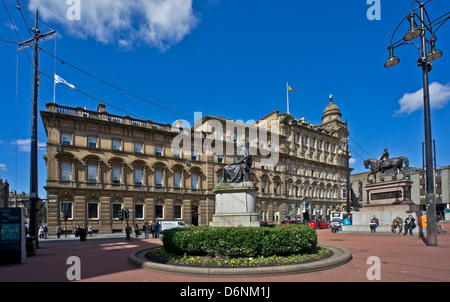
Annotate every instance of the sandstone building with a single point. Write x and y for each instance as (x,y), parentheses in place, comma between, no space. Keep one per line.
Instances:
(99,163)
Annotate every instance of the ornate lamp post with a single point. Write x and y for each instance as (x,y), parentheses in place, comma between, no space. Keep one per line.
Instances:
(428,53)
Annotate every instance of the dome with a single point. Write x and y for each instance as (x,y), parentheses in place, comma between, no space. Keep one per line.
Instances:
(331,112)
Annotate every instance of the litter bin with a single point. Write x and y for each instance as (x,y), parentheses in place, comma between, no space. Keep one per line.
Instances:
(30,244)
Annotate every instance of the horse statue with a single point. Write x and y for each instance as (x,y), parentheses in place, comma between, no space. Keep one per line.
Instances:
(382,166)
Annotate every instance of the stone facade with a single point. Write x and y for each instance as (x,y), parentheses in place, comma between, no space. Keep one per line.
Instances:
(99,163)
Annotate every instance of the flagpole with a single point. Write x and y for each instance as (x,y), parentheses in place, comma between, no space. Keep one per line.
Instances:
(287,96)
(54,73)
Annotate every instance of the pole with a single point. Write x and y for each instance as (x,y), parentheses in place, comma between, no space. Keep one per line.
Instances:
(430,197)
(348,178)
(287,96)
(33,166)
(34,194)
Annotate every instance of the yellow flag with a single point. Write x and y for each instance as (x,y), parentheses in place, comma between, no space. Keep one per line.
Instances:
(290,89)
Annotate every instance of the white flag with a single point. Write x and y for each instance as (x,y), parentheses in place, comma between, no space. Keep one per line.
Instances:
(58,79)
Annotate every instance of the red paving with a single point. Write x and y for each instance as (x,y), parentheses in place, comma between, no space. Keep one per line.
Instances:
(403,258)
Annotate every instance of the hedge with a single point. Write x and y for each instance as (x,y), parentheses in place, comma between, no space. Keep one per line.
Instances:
(282,240)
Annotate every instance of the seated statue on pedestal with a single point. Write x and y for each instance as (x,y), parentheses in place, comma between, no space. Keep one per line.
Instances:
(240,170)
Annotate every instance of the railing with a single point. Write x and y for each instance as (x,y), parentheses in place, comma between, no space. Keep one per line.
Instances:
(81,112)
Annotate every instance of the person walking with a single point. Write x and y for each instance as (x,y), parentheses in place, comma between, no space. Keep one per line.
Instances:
(397,223)
(45,231)
(82,233)
(374,223)
(41,232)
(58,231)
(153,229)
(158,228)
(136,230)
(410,224)
(146,230)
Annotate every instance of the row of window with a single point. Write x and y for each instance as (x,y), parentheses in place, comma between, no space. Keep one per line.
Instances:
(92,177)
(93,211)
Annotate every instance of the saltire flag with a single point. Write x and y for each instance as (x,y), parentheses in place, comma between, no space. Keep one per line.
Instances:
(58,79)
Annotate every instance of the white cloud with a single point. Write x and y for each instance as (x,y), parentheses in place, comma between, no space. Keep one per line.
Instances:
(352,161)
(439,97)
(2,167)
(156,23)
(24,145)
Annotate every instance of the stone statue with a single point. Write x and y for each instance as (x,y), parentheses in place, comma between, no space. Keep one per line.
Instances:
(240,170)
(385,163)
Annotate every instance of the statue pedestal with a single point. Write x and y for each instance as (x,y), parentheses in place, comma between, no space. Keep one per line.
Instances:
(235,205)
(386,201)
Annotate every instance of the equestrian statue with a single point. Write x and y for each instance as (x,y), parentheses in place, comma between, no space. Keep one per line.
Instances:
(385,163)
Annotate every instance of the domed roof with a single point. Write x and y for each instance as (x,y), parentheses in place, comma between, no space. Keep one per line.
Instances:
(331,112)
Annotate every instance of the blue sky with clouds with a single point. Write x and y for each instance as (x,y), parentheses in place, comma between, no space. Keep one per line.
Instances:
(229,58)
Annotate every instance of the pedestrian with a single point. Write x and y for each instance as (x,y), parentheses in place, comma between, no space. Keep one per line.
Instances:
(77,231)
(410,224)
(45,231)
(89,230)
(136,230)
(146,230)
(41,232)
(397,223)
(153,229)
(58,231)
(374,223)
(82,233)
(158,228)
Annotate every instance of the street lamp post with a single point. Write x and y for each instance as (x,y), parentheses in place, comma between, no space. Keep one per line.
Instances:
(428,53)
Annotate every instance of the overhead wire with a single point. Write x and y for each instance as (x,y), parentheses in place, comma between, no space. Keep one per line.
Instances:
(114,86)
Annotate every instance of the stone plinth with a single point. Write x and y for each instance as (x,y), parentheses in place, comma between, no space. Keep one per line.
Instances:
(390,192)
(235,205)
(386,201)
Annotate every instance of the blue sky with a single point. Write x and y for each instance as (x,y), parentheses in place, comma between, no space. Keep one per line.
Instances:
(229,58)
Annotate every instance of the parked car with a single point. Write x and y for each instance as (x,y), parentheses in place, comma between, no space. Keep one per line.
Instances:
(165,225)
(313,224)
(290,222)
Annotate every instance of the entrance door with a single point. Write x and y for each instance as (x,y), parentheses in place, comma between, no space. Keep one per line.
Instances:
(195,215)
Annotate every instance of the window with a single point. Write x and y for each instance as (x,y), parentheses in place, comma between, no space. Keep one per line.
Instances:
(275,188)
(138,148)
(66,139)
(116,210)
(92,173)
(158,150)
(219,179)
(177,211)
(177,180)
(92,142)
(159,178)
(220,158)
(139,211)
(92,210)
(116,145)
(66,210)
(263,186)
(194,179)
(194,156)
(116,175)
(159,211)
(66,171)
(176,153)
(138,177)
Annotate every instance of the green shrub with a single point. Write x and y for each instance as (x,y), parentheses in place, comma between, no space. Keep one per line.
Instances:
(281,240)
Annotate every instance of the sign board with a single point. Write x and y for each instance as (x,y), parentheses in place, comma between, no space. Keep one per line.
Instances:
(12,236)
